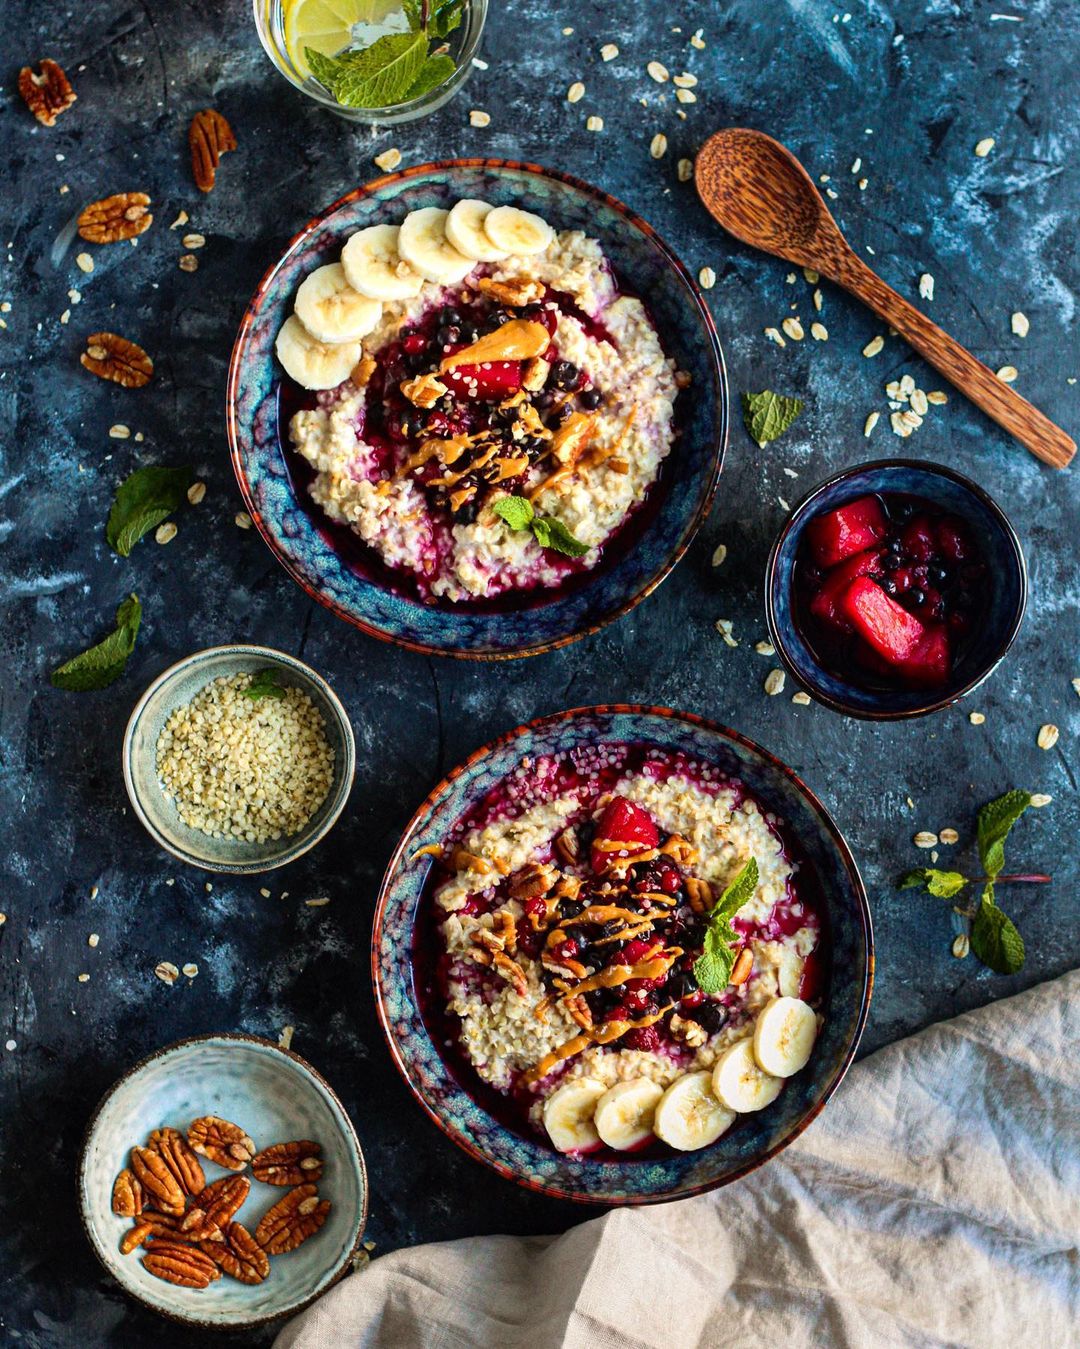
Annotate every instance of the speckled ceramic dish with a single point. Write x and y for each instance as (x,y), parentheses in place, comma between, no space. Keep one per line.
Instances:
(651,1177)
(276,1097)
(178,685)
(1001,553)
(293,526)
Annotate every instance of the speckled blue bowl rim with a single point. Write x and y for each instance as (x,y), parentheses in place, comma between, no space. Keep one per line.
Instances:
(831,828)
(350,1255)
(798,513)
(371,188)
(305,842)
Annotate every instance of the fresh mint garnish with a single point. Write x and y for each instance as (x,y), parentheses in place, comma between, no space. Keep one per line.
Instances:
(442,17)
(768,415)
(264,684)
(712,969)
(101,664)
(546,530)
(143,500)
(994,936)
(436,70)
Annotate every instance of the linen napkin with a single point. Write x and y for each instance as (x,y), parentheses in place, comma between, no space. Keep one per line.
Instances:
(936,1201)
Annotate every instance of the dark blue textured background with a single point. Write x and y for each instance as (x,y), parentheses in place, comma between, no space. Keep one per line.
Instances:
(998,234)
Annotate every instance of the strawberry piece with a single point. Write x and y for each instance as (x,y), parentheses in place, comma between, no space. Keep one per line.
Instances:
(645,1038)
(849,529)
(826,603)
(636,950)
(883,624)
(918,538)
(953,539)
(626,824)
(928,664)
(491,382)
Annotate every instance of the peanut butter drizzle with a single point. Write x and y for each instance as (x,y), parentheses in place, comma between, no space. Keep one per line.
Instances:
(627,933)
(603,1034)
(447,451)
(614,975)
(449,479)
(515,340)
(604,913)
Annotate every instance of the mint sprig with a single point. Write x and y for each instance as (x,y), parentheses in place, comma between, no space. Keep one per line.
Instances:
(768,415)
(712,969)
(143,500)
(101,664)
(264,684)
(548,532)
(995,938)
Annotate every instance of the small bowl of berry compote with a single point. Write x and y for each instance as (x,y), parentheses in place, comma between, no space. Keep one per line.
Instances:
(894,589)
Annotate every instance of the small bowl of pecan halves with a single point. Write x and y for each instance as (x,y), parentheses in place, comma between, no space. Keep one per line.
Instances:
(222,1182)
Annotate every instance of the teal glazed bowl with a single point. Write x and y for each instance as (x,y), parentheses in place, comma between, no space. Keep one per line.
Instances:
(178,685)
(275,1097)
(332,569)
(450,1100)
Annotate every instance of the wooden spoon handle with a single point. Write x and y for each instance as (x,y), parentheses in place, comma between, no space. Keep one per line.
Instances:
(1019,417)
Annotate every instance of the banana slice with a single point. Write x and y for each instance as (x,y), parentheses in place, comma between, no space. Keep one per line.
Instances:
(517,231)
(740,1083)
(568,1114)
(314,364)
(331,310)
(423,244)
(624,1115)
(465,230)
(375,268)
(688,1115)
(784,1036)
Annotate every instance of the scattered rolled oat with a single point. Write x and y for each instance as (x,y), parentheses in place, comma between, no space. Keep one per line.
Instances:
(165,533)
(794,329)
(937,398)
(706,278)
(764,648)
(773,334)
(685,80)
(1076,686)
(961,945)
(697,41)
(810,276)
(93,939)
(320,903)
(1020,324)
(188,262)
(686,96)
(1008,374)
(801,698)
(478,117)
(949,836)
(608,51)
(976,718)
(264,892)
(817,300)
(1048,736)
(576,92)
(84,262)
(196,492)
(242,520)
(190,970)
(685,170)
(926,286)
(285,1038)
(925,839)
(594,123)
(1039,799)
(389,159)
(93,892)
(84,978)
(723,627)
(873,346)
(719,554)
(863,184)
(119,432)
(167,972)
(658,146)
(819,332)
(870,423)
(194,241)
(658,72)
(774,682)
(919,402)
(984,147)
(181,219)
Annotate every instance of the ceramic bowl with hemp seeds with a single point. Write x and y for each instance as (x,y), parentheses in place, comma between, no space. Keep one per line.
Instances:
(238,758)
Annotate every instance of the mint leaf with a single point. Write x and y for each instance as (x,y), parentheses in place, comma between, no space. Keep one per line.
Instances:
(768,415)
(436,70)
(994,937)
(142,501)
(996,818)
(551,533)
(516,511)
(101,664)
(712,969)
(943,884)
(377,77)
(443,16)
(264,684)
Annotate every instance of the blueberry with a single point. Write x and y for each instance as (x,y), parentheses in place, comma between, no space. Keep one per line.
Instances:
(681,985)
(917,596)
(891,562)
(563,414)
(572,908)
(450,315)
(591,399)
(889,586)
(711,1015)
(611,927)
(468,334)
(564,374)
(448,333)
(533,312)
(544,400)
(939,575)
(895,546)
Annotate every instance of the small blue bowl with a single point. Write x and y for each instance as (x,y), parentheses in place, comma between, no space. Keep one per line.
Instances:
(1001,552)
(293,527)
(521,1156)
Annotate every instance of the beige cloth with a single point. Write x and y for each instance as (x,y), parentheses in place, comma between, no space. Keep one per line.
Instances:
(935,1202)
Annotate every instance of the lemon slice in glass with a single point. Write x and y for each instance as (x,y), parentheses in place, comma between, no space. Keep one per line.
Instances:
(329,26)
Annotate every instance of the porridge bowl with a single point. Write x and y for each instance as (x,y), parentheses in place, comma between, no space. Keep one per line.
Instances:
(622,955)
(478,408)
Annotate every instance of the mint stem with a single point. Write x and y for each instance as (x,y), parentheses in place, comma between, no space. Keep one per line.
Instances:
(1035,878)
(425,13)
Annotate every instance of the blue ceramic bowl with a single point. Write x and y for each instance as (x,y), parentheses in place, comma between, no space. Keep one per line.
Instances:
(521,1156)
(1001,552)
(275,1097)
(291,525)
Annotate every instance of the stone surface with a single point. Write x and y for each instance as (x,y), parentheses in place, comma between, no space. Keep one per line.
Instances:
(908,89)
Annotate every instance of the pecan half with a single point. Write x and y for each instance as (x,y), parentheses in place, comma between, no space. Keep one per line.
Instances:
(699,893)
(47,94)
(111,357)
(425,390)
(288,1163)
(135,1236)
(568,846)
(221,1141)
(209,137)
(127,1195)
(160,1189)
(179,1158)
(216,1206)
(239,1255)
(183,1265)
(515,293)
(292,1220)
(536,878)
(122,216)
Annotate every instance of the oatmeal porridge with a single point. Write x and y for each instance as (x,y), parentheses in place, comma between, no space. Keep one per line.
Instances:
(490,408)
(628,950)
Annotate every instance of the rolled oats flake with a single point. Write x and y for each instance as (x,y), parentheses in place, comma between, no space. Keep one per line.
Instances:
(926,286)
(907,386)
(319,903)
(84,978)
(697,41)
(576,92)
(706,278)
(1040,799)
(874,346)
(389,159)
(478,117)
(919,402)
(286,1037)
(685,170)
(871,421)
(1048,736)
(167,972)
(856,164)
(819,332)
(773,334)
(723,627)
(961,945)
(719,555)
(84,262)
(925,839)
(793,328)
(608,51)
(1076,686)
(817,300)
(774,682)
(242,520)
(983,148)
(948,836)
(899,425)
(686,95)
(65,316)
(764,648)
(194,241)
(1020,325)
(190,970)
(1008,374)
(93,939)
(863,184)
(801,699)
(658,72)
(658,146)
(264,892)
(181,219)
(165,533)
(119,432)
(685,80)
(810,276)
(196,492)
(594,123)
(188,262)
(976,718)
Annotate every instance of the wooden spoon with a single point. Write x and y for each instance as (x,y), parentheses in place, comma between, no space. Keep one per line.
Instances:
(759,191)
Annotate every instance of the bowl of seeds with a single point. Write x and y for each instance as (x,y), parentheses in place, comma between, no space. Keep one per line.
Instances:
(238,759)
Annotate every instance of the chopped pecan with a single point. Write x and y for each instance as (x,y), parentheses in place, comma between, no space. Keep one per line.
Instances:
(239,1255)
(680,850)
(122,216)
(209,137)
(135,1236)
(292,1220)
(160,1189)
(568,887)
(425,390)
(179,1158)
(221,1141)
(127,1195)
(362,371)
(699,893)
(538,878)
(111,357)
(691,1033)
(511,971)
(572,437)
(568,846)
(288,1163)
(506,929)
(534,374)
(219,1203)
(578,1009)
(184,1265)
(515,293)
(48,93)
